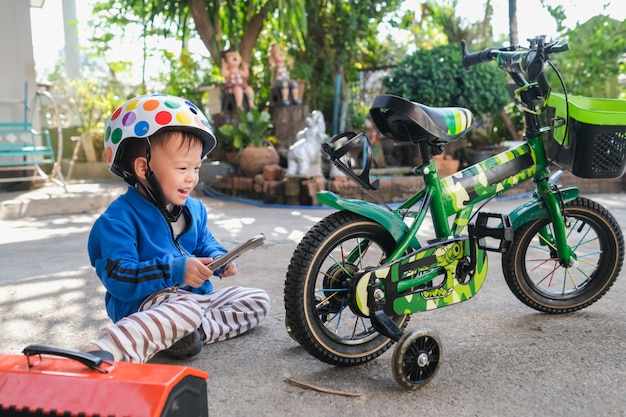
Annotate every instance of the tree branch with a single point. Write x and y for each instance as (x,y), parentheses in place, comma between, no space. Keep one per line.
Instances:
(251,35)
(206,29)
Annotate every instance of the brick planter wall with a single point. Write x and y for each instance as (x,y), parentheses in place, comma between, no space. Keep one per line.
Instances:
(272,187)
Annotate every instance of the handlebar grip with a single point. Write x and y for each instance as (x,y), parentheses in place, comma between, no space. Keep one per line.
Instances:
(515,62)
(474,58)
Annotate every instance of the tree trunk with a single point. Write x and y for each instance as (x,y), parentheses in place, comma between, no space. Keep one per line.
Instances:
(255,25)
(513,36)
(510,126)
(288,121)
(210,31)
(206,29)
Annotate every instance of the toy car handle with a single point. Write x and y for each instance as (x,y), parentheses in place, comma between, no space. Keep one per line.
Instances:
(86,358)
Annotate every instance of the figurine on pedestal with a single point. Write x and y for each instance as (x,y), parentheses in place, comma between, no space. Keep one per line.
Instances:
(305,156)
(236,72)
(281,80)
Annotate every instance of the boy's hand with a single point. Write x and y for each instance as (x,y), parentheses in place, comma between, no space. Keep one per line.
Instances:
(229,270)
(196,271)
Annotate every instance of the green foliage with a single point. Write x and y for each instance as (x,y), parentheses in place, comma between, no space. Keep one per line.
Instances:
(94,99)
(498,132)
(558,13)
(185,77)
(359,112)
(342,40)
(438,24)
(596,58)
(437,78)
(253,129)
(95,102)
(96,95)
(219,24)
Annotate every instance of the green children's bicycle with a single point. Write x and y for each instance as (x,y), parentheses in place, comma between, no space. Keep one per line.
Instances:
(358,274)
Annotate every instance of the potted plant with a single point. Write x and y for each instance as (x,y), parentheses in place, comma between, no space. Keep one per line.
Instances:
(250,136)
(226,150)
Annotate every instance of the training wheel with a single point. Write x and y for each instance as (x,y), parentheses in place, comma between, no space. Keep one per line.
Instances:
(416,358)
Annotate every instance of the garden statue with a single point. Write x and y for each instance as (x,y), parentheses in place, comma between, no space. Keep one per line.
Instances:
(304,157)
(236,72)
(280,76)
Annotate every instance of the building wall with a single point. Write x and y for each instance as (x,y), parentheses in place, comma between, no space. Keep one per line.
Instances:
(18,63)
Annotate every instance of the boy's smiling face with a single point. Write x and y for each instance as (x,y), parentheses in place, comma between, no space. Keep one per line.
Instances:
(176,164)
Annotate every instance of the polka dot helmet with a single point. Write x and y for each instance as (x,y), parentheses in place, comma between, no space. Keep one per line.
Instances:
(142,117)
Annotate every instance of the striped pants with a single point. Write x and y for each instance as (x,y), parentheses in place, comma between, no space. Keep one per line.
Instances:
(166,317)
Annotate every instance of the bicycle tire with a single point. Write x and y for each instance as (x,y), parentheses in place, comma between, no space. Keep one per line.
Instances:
(532,270)
(316,293)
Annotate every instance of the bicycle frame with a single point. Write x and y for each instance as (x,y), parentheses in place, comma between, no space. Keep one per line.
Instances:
(455,195)
(458,194)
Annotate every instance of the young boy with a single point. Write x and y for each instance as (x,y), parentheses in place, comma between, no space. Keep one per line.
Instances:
(151,246)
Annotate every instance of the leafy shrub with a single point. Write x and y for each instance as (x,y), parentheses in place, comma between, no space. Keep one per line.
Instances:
(437,78)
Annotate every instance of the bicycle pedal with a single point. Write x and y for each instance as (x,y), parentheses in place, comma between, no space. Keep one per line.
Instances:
(492,232)
(383,323)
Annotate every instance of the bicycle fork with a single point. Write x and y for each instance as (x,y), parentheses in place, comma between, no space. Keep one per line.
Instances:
(558,242)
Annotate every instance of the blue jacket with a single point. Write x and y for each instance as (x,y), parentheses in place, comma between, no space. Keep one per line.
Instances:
(133,249)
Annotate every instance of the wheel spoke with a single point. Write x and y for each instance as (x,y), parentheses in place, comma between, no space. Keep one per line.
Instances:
(340,264)
(337,318)
(540,248)
(542,262)
(583,260)
(596,253)
(357,321)
(580,234)
(330,297)
(581,240)
(583,273)
(361,254)
(547,242)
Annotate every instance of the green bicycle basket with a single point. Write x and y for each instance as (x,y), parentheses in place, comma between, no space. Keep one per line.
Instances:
(594,143)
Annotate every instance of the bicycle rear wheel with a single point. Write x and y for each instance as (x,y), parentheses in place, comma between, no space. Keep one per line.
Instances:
(534,274)
(317,289)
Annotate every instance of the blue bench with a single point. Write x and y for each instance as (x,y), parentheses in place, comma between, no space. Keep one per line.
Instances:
(24,149)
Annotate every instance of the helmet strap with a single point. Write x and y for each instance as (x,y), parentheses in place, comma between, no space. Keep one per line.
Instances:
(155,193)
(129,178)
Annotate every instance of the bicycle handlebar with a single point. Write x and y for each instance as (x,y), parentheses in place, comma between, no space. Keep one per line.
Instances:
(515,61)
(474,58)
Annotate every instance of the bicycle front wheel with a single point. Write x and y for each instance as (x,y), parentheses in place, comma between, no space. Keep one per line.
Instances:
(534,274)
(318,289)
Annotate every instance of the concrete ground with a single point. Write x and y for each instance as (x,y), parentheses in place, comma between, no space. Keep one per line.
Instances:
(500,357)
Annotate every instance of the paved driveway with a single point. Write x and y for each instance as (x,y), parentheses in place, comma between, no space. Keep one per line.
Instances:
(500,357)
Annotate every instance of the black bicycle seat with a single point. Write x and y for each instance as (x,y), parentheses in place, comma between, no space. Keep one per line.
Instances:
(403,120)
